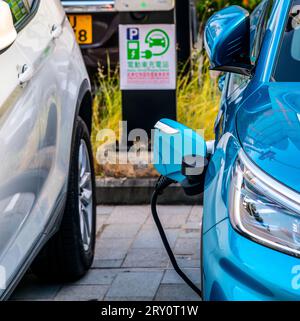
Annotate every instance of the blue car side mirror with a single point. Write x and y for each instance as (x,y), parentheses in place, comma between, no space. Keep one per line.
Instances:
(180,154)
(227,40)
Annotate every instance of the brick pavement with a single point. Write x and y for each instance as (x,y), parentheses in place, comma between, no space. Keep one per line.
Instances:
(131,262)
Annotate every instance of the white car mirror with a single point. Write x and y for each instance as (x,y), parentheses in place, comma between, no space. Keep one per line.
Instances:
(8,33)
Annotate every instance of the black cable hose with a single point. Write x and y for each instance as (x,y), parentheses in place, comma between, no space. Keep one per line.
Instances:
(161,185)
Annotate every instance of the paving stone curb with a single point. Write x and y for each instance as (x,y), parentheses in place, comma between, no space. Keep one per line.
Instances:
(137,191)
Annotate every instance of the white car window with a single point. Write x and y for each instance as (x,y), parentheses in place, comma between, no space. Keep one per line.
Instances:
(20,9)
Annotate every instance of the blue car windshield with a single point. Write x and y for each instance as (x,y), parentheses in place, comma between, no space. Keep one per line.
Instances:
(288,63)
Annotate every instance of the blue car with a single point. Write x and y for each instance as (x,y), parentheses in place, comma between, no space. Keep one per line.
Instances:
(250,174)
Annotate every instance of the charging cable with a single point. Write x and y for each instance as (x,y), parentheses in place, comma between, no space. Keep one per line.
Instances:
(162,183)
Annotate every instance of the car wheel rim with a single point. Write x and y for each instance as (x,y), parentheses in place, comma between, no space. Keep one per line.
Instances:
(85,193)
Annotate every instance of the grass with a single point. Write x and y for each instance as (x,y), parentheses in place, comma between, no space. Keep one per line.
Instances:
(198,100)
(107,109)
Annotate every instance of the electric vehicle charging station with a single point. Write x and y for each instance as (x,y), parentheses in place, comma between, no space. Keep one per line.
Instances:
(148,61)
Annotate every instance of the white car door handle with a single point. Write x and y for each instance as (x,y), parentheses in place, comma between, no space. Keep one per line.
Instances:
(56,31)
(26,74)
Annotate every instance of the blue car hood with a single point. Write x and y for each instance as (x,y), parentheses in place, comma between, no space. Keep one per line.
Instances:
(268,127)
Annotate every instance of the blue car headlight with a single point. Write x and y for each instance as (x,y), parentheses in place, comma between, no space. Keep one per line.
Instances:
(263,209)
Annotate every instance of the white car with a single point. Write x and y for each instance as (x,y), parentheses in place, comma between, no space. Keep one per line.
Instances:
(47,186)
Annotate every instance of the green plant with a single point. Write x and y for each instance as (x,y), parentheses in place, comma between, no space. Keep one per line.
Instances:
(198,98)
(107,110)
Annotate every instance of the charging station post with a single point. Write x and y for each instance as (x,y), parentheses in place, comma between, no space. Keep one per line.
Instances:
(148,61)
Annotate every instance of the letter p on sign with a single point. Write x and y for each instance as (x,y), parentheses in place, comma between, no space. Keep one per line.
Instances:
(133,34)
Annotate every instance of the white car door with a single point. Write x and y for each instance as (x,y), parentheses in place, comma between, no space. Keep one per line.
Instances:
(19,145)
(61,79)
(49,64)
(28,90)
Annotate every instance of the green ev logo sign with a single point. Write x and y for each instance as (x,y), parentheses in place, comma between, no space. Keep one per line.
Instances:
(157,42)
(148,56)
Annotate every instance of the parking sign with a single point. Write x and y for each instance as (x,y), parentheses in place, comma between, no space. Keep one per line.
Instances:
(148,57)
(133,34)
